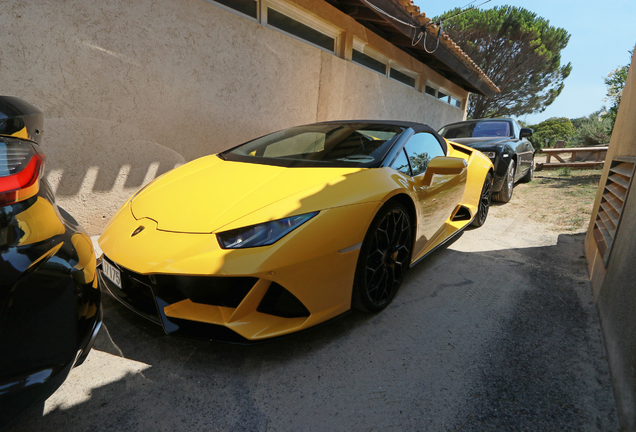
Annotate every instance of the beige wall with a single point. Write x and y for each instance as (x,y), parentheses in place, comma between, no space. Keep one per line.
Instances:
(131,89)
(615,285)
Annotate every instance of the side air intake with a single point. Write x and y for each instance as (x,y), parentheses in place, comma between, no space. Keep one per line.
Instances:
(463,214)
(280,302)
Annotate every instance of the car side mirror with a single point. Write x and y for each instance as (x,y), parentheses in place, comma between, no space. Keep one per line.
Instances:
(443,165)
(525,132)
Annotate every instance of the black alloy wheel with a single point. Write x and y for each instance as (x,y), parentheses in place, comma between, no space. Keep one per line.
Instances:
(505,194)
(384,258)
(484,202)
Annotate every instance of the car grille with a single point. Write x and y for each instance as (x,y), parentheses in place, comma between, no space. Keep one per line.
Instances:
(138,292)
(137,289)
(135,292)
(210,290)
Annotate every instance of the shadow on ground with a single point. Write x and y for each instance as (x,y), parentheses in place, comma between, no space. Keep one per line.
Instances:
(568,182)
(498,340)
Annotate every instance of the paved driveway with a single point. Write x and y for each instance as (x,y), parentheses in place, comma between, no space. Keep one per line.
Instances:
(498,331)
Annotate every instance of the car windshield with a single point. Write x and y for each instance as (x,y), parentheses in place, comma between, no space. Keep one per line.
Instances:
(327,144)
(476,129)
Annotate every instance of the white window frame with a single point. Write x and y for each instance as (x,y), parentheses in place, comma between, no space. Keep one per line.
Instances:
(460,100)
(406,71)
(446,95)
(360,46)
(364,48)
(303,18)
(446,92)
(431,85)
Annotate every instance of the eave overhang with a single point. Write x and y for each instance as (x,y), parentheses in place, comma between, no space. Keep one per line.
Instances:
(443,56)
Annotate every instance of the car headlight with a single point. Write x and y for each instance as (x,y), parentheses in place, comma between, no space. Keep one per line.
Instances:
(490,155)
(262,234)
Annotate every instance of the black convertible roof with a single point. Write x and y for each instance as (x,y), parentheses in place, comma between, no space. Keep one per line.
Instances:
(417,127)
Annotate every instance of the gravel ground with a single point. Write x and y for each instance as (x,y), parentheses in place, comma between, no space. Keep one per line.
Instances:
(497,331)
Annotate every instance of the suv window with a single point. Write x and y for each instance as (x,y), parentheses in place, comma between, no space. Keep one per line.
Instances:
(516,129)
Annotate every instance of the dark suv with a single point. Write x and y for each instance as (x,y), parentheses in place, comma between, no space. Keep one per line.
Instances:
(50,310)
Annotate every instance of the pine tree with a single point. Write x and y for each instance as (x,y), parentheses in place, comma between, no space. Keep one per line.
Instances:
(519,51)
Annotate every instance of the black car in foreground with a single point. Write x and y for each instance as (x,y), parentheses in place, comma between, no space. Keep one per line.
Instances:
(505,143)
(50,310)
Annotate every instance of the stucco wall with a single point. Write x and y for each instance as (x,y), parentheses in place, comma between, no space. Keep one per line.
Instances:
(131,89)
(614,286)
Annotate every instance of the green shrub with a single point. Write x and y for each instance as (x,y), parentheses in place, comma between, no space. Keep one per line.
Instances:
(550,131)
(591,131)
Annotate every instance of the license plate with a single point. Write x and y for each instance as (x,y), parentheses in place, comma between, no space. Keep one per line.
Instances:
(112,273)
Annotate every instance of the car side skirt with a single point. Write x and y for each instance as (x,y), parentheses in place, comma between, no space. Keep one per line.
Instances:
(442,241)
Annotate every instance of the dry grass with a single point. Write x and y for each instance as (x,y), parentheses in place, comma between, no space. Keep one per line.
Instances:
(562,199)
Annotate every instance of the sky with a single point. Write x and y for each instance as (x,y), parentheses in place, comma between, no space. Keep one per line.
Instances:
(602,33)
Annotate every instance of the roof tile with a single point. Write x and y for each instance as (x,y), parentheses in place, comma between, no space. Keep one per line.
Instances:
(421,17)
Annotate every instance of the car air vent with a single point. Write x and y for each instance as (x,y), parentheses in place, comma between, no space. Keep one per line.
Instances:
(462,149)
(280,302)
(210,290)
(610,211)
(462,214)
(135,292)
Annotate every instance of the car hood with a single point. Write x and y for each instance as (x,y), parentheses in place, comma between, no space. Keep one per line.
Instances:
(478,143)
(207,194)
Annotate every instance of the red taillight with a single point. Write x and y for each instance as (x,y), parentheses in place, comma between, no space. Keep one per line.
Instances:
(21,167)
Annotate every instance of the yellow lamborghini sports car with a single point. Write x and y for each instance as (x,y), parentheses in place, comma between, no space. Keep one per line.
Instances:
(291,229)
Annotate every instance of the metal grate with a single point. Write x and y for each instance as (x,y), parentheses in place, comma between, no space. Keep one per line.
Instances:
(610,210)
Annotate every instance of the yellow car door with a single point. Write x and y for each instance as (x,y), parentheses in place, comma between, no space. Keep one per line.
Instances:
(436,197)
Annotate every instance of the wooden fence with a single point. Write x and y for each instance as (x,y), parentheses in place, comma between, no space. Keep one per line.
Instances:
(581,157)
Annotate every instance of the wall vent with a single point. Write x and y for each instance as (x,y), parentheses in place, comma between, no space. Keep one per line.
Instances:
(610,210)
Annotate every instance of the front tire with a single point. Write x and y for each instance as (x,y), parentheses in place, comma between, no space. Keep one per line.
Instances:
(384,258)
(505,194)
(484,202)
